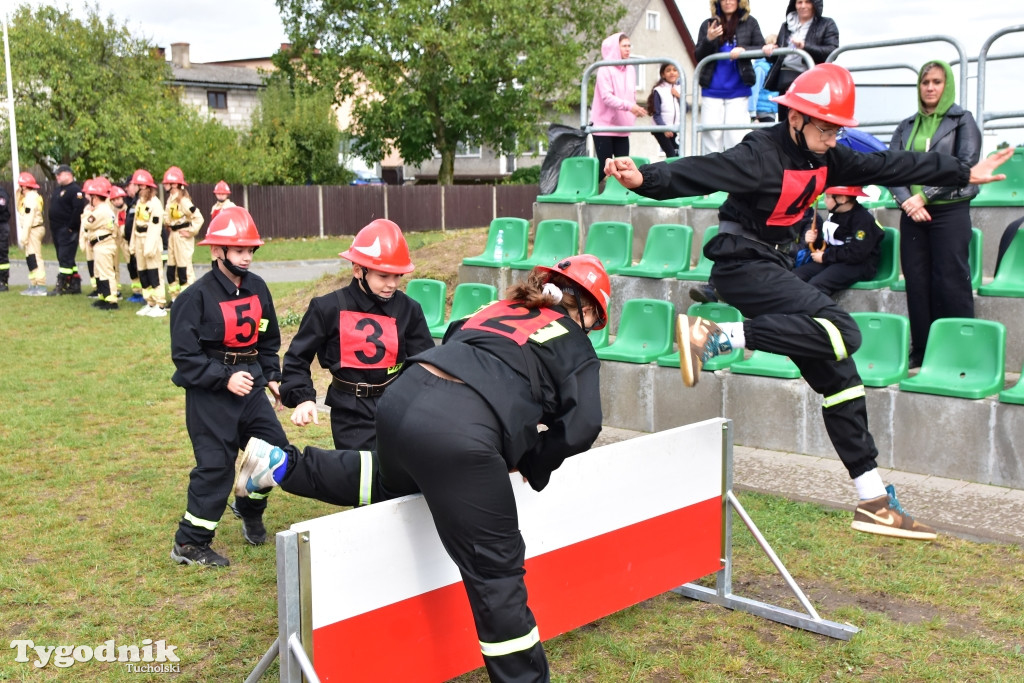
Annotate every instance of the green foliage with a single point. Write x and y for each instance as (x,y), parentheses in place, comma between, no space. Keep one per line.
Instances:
(529,175)
(424,77)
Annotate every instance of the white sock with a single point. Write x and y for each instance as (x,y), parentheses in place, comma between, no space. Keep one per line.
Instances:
(735,332)
(869,485)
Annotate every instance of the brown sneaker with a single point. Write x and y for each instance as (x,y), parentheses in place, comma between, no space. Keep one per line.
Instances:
(698,342)
(884,517)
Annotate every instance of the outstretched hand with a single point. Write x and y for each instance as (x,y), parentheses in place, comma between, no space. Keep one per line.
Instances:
(981,172)
(624,170)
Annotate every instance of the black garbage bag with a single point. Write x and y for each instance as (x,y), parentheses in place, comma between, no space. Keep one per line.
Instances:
(563,142)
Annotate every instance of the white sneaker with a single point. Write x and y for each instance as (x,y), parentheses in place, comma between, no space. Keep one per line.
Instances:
(157,312)
(144,311)
(256,467)
(39,290)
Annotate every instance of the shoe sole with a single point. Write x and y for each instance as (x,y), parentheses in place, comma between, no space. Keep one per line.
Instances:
(246,466)
(879,530)
(251,541)
(685,357)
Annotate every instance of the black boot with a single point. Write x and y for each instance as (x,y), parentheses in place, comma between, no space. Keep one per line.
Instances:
(74,284)
(58,289)
(4,274)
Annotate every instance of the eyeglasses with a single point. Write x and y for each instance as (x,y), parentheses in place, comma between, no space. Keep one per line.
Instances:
(829,133)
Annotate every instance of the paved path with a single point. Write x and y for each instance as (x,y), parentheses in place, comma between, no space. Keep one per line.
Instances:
(275,271)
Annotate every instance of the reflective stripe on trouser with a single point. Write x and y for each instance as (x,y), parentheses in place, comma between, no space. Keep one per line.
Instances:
(105,265)
(792,318)
(338,477)
(218,423)
(179,254)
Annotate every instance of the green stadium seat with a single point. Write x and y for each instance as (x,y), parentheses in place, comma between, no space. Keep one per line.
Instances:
(1014,394)
(515,233)
(614,193)
(766,365)
(711,201)
(888,265)
(430,295)
(555,239)
(965,358)
(882,357)
(468,297)
(666,203)
(720,313)
(702,271)
(666,251)
(884,201)
(612,242)
(599,338)
(1009,279)
(577,180)
(644,332)
(973,258)
(1009,192)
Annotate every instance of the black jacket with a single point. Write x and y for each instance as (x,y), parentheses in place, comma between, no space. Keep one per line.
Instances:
(822,39)
(860,235)
(549,377)
(771,181)
(320,337)
(958,135)
(66,206)
(748,35)
(5,206)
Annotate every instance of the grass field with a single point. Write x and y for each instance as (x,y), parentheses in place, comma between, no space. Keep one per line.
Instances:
(95,466)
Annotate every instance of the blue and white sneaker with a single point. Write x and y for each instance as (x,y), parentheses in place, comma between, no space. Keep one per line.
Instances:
(136,299)
(257,466)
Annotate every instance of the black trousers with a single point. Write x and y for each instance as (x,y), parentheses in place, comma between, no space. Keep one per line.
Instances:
(790,317)
(65,240)
(669,145)
(352,420)
(935,259)
(5,248)
(607,146)
(219,424)
(834,277)
(439,437)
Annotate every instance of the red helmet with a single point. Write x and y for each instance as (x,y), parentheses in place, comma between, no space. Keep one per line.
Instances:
(825,92)
(848,190)
(95,187)
(174,175)
(380,246)
(233,227)
(220,188)
(143,177)
(116,192)
(26,179)
(588,272)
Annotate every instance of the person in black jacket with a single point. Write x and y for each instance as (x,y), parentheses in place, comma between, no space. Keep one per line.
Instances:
(5,239)
(65,210)
(224,343)
(848,246)
(362,334)
(725,85)
(772,177)
(456,422)
(806,29)
(935,226)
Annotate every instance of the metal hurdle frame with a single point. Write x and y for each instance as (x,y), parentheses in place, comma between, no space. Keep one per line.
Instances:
(293,581)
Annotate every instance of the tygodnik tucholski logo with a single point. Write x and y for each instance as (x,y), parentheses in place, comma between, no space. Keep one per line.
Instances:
(149,657)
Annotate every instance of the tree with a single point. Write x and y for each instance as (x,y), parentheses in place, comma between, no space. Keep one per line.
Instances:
(426,76)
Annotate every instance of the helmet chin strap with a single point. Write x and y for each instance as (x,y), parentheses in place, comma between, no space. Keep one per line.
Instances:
(363,285)
(800,139)
(232,268)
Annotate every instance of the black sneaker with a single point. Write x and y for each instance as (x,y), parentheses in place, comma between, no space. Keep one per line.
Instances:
(253,530)
(202,555)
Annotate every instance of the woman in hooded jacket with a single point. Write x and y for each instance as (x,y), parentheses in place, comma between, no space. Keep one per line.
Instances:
(725,86)
(614,100)
(805,29)
(935,226)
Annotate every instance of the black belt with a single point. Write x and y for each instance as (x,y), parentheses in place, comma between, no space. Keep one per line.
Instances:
(141,231)
(734,228)
(93,243)
(361,389)
(233,357)
(176,228)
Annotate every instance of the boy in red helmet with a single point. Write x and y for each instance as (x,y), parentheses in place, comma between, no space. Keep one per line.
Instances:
(31,231)
(222,191)
(456,422)
(184,220)
(362,334)
(146,243)
(772,177)
(224,343)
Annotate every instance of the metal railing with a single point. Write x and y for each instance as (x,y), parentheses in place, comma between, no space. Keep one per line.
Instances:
(984,116)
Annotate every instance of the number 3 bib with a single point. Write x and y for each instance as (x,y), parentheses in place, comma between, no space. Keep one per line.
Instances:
(367,341)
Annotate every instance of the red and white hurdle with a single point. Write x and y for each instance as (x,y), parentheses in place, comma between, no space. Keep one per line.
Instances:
(616,526)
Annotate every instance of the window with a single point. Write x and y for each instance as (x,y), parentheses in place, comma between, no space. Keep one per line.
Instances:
(216,99)
(465,149)
(653,21)
(641,74)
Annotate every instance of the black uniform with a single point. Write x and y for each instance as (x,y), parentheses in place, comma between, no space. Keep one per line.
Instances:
(65,212)
(852,254)
(129,225)
(5,238)
(363,342)
(771,182)
(216,331)
(457,441)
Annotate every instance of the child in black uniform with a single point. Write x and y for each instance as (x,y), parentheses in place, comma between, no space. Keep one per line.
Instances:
(772,177)
(848,247)
(456,422)
(362,333)
(224,343)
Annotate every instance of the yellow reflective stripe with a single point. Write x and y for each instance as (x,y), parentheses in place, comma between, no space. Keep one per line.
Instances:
(837,339)
(509,646)
(365,477)
(843,396)
(204,523)
(256,495)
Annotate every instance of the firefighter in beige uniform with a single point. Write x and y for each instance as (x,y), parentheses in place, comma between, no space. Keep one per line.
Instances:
(101,188)
(147,244)
(185,221)
(99,231)
(31,231)
(222,191)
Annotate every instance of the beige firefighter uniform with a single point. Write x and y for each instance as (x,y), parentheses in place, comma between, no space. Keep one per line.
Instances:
(185,221)
(31,231)
(99,231)
(220,206)
(146,244)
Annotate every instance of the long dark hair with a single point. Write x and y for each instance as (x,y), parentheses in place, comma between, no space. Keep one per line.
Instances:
(530,292)
(661,79)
